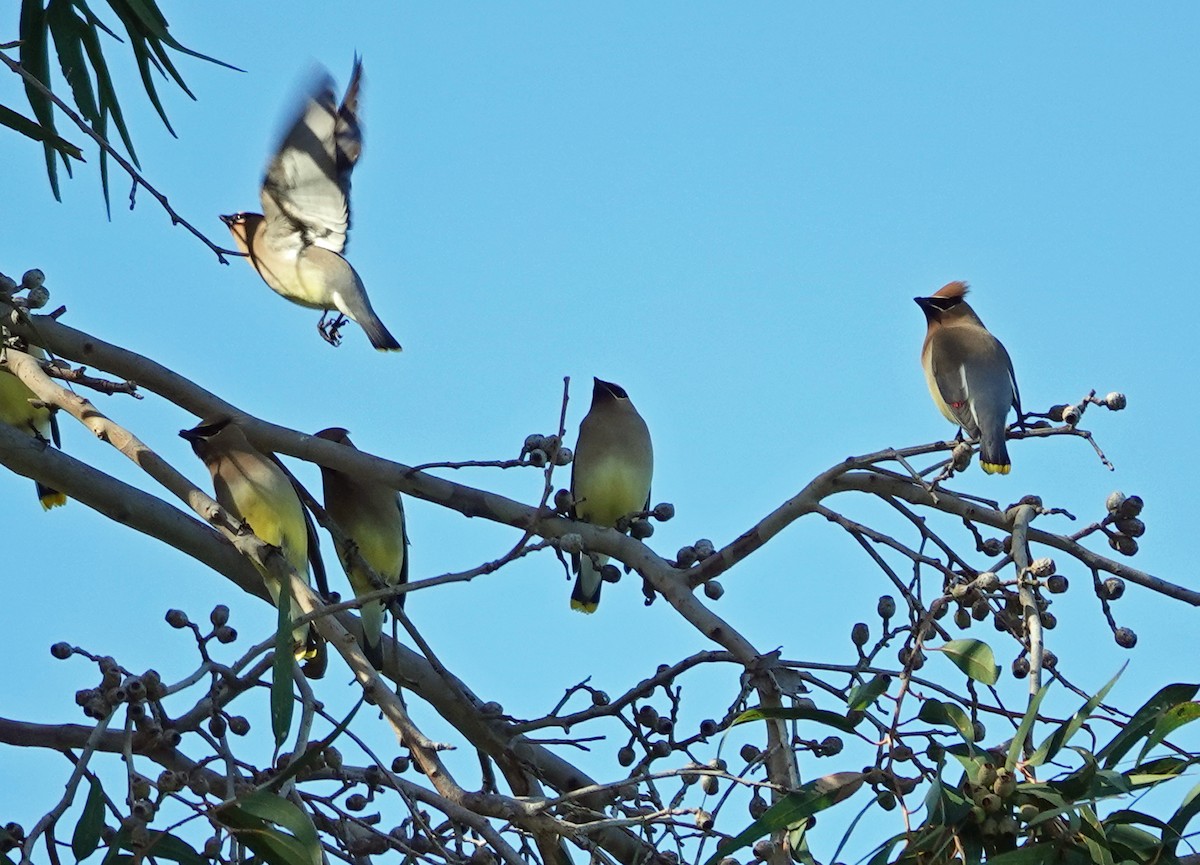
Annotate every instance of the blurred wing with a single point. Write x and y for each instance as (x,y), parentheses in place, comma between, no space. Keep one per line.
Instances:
(304,191)
(347,134)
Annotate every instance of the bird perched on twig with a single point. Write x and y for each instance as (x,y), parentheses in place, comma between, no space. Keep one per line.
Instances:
(32,418)
(296,243)
(969,373)
(248,484)
(372,516)
(610,477)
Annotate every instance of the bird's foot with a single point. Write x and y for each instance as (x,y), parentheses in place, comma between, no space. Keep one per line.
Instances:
(331,330)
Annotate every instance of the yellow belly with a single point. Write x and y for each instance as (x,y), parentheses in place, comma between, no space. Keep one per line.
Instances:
(612,489)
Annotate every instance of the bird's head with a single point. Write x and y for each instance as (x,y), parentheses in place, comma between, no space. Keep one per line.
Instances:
(946,300)
(242,227)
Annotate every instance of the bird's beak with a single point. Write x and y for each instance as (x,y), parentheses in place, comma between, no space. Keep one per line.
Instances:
(189,434)
(228,219)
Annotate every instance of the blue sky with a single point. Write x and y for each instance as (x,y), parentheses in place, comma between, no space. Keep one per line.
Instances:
(726,209)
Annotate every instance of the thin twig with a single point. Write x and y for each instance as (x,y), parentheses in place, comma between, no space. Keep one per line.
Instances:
(138,180)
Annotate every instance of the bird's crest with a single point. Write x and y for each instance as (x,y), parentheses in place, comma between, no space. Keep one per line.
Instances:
(953,289)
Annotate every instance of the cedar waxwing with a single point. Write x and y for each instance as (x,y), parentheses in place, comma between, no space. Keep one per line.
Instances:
(249,485)
(969,374)
(17,410)
(372,517)
(610,477)
(296,243)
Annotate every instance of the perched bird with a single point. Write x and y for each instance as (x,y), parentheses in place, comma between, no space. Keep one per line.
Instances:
(372,517)
(296,243)
(610,476)
(17,410)
(255,490)
(969,374)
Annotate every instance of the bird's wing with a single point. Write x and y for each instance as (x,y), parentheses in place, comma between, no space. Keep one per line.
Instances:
(306,189)
(949,375)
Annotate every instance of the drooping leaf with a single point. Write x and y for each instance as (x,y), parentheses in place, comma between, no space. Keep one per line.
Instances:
(266,806)
(1030,854)
(1188,808)
(114,856)
(791,809)
(35,60)
(268,843)
(314,750)
(86,837)
(973,657)
(1049,749)
(1078,784)
(1024,729)
(1171,720)
(163,845)
(67,30)
(30,129)
(796,713)
(945,805)
(1143,721)
(282,687)
(947,714)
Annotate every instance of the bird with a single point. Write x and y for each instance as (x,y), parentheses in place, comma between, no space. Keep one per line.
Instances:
(969,373)
(255,490)
(297,243)
(371,515)
(610,477)
(32,418)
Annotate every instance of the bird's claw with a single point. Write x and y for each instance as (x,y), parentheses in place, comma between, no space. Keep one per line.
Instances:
(331,330)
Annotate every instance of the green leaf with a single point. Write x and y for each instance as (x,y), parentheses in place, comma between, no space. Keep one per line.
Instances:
(35,59)
(945,805)
(884,851)
(1024,729)
(1143,721)
(274,809)
(1131,843)
(973,657)
(155,24)
(949,715)
(1188,808)
(862,696)
(1078,784)
(1172,720)
(282,687)
(30,129)
(1030,854)
(1049,749)
(1126,815)
(114,855)
(86,837)
(798,713)
(163,845)
(67,30)
(791,809)
(314,749)
(269,844)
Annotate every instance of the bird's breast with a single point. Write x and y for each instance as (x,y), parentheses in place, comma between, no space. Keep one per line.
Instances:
(610,489)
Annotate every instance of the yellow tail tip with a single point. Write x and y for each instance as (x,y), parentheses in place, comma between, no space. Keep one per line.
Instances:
(53,500)
(996,468)
(584,607)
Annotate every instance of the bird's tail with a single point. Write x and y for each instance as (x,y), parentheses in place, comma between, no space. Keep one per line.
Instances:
(379,335)
(586,595)
(372,627)
(50,498)
(993,455)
